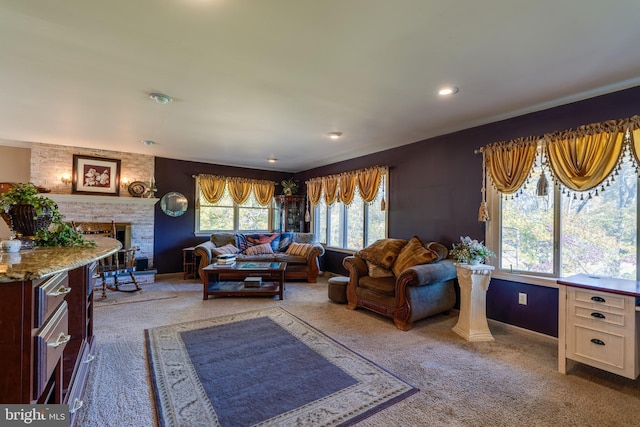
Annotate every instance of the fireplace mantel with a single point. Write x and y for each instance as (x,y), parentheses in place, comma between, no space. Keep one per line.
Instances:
(85,198)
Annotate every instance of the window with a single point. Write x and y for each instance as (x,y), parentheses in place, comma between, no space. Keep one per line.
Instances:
(351,227)
(560,235)
(225,215)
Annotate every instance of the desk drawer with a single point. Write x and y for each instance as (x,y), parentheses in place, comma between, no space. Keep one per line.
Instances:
(48,295)
(49,344)
(599,346)
(595,299)
(595,317)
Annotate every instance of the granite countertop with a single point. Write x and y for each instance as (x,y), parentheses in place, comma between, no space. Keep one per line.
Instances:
(41,262)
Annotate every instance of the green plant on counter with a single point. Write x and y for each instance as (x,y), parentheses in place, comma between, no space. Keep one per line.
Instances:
(58,233)
(27,194)
(61,234)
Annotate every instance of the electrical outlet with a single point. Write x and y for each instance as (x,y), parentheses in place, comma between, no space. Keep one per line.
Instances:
(522,298)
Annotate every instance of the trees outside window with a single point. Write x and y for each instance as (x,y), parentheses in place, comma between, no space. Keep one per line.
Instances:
(225,215)
(565,234)
(351,227)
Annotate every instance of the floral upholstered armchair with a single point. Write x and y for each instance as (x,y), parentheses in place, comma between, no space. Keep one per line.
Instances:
(404,280)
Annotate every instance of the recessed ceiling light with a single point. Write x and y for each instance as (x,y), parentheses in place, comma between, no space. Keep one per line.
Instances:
(272,160)
(448,90)
(334,135)
(161,98)
(148,142)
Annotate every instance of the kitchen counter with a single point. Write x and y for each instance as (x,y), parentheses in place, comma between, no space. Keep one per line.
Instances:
(42,262)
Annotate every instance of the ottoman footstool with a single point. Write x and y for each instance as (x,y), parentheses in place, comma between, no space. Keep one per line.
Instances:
(338,289)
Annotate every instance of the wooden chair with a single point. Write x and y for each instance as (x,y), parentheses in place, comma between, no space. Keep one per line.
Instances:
(114,266)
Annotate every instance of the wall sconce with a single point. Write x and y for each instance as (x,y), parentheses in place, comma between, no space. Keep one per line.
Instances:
(66,178)
(124,182)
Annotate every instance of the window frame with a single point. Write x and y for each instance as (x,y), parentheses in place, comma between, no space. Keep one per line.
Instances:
(493,242)
(236,215)
(344,237)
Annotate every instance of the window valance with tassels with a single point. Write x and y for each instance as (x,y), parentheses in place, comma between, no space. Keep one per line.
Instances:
(213,186)
(343,186)
(581,160)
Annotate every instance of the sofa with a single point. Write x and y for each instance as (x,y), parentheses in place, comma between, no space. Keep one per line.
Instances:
(301,251)
(406,280)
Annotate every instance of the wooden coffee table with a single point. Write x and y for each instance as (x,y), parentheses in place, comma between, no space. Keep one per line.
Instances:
(233,275)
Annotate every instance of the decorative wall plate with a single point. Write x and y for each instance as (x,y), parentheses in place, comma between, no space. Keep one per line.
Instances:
(137,188)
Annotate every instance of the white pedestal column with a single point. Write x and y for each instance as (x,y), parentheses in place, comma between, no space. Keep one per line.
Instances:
(474,282)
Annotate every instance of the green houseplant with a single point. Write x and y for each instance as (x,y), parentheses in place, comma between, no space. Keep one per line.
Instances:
(36,218)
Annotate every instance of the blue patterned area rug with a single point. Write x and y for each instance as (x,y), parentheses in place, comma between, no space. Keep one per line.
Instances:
(263,368)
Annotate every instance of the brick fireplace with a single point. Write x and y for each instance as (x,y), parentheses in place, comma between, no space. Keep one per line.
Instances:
(134,217)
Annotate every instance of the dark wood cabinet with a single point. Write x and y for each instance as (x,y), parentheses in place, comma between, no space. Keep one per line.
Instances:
(289,213)
(46,338)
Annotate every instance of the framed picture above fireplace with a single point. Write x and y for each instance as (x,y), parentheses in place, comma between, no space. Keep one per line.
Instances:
(95,175)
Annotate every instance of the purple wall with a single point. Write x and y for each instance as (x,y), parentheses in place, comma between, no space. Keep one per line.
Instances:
(434,193)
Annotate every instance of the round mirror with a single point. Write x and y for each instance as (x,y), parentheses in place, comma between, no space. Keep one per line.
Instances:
(174,204)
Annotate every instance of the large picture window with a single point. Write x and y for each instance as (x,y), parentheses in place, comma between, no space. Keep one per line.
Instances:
(226,215)
(559,235)
(354,226)
(232,204)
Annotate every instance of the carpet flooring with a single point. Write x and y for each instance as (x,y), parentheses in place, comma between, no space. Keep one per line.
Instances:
(512,381)
(266,368)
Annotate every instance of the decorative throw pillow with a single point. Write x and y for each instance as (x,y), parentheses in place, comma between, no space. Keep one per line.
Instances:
(264,248)
(377,271)
(300,249)
(440,249)
(259,238)
(226,249)
(383,252)
(414,253)
(285,240)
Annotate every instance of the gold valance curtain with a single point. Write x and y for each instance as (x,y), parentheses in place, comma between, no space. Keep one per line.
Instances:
(213,186)
(510,163)
(347,183)
(330,186)
(580,159)
(314,191)
(343,186)
(264,190)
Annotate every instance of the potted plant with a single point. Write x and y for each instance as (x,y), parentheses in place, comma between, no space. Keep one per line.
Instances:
(25,210)
(35,218)
(470,251)
(289,187)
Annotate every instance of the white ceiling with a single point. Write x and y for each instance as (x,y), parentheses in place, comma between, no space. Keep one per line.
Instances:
(258,78)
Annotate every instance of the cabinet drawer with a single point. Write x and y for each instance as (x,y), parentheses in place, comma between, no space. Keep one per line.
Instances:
(595,317)
(74,397)
(48,295)
(606,301)
(598,346)
(49,344)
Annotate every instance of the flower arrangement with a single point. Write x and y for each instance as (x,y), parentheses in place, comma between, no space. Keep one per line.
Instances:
(470,251)
(289,187)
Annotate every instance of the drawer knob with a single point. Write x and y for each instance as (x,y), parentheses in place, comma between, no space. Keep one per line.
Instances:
(62,290)
(598,299)
(598,315)
(62,339)
(89,358)
(597,341)
(77,404)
